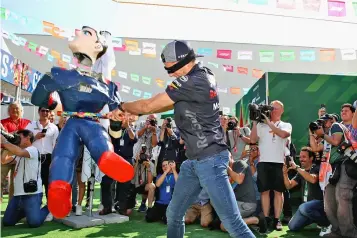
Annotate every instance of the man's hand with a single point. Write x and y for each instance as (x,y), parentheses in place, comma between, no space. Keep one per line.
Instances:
(146,164)
(285,170)
(320,132)
(3,139)
(116,115)
(172,165)
(2,127)
(39,135)
(267,120)
(152,128)
(292,165)
(125,123)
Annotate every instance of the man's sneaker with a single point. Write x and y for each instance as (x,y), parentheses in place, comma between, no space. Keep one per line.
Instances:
(100,207)
(142,207)
(263,225)
(79,210)
(49,217)
(325,230)
(278,226)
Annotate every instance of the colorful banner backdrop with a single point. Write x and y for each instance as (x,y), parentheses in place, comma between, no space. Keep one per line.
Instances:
(11,70)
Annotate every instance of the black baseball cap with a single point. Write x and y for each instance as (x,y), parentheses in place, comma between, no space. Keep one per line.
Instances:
(327,117)
(176,51)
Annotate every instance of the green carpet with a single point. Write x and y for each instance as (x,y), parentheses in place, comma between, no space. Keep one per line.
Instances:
(136,227)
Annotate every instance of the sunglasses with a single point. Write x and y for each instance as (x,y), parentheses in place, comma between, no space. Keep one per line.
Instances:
(253,149)
(44,110)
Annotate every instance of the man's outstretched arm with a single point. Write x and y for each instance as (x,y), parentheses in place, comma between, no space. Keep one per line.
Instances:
(159,103)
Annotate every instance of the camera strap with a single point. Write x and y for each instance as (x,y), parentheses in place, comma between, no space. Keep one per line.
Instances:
(38,169)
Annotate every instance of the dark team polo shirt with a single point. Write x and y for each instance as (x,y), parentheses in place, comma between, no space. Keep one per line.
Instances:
(197,112)
(310,191)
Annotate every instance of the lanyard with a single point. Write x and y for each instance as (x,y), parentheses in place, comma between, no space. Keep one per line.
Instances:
(168,182)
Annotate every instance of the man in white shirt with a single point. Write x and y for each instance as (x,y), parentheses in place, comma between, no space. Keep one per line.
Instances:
(272,137)
(27,198)
(46,134)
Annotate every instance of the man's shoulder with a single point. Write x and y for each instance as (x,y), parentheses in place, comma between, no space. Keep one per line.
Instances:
(284,123)
(33,151)
(53,126)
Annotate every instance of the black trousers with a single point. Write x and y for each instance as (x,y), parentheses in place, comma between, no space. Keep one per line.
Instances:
(45,170)
(157,213)
(105,189)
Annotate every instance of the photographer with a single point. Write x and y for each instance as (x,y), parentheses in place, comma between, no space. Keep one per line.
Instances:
(272,135)
(165,183)
(236,138)
(27,198)
(143,179)
(169,144)
(46,134)
(12,124)
(123,146)
(339,192)
(312,209)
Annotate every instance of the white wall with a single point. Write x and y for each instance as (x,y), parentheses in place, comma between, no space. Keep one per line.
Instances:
(250,25)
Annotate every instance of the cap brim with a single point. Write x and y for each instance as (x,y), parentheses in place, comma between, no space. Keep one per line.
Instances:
(115,134)
(199,56)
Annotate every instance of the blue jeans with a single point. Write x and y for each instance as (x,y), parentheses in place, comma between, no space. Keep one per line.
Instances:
(28,206)
(308,213)
(210,173)
(74,189)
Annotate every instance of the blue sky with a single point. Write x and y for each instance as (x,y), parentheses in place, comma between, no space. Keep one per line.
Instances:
(64,13)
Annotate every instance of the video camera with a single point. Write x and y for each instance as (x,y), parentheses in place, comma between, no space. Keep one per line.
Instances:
(256,112)
(231,125)
(315,125)
(169,124)
(14,139)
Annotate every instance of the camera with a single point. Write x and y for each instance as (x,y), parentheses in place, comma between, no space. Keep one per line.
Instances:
(315,125)
(346,149)
(256,112)
(153,122)
(14,139)
(30,186)
(169,124)
(143,156)
(231,125)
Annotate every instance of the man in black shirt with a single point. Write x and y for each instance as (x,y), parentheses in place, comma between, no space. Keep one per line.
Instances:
(312,209)
(194,96)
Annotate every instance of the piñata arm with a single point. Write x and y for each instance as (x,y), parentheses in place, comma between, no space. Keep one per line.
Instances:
(41,96)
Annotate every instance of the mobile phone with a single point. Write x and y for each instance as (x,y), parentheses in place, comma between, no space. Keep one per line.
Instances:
(44,131)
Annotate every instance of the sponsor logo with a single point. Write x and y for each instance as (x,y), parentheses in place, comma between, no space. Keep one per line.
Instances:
(197,129)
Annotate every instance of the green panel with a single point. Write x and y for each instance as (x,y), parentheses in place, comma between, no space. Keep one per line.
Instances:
(320,80)
(304,95)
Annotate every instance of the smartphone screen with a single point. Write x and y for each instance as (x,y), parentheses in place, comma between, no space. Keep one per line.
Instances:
(44,130)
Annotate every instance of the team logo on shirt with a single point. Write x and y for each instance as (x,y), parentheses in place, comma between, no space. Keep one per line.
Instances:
(175,85)
(85,88)
(212,94)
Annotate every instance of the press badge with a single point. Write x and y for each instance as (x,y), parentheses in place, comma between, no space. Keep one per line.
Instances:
(121,142)
(168,189)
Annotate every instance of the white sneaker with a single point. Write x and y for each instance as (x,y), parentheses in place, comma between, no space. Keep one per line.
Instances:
(78,210)
(325,230)
(49,217)
(101,207)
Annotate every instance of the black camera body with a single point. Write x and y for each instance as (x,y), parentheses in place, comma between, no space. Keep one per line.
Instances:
(256,112)
(169,122)
(30,186)
(115,125)
(315,125)
(14,139)
(143,157)
(231,126)
(153,122)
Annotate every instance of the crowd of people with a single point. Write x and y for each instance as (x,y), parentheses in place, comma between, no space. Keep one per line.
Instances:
(262,169)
